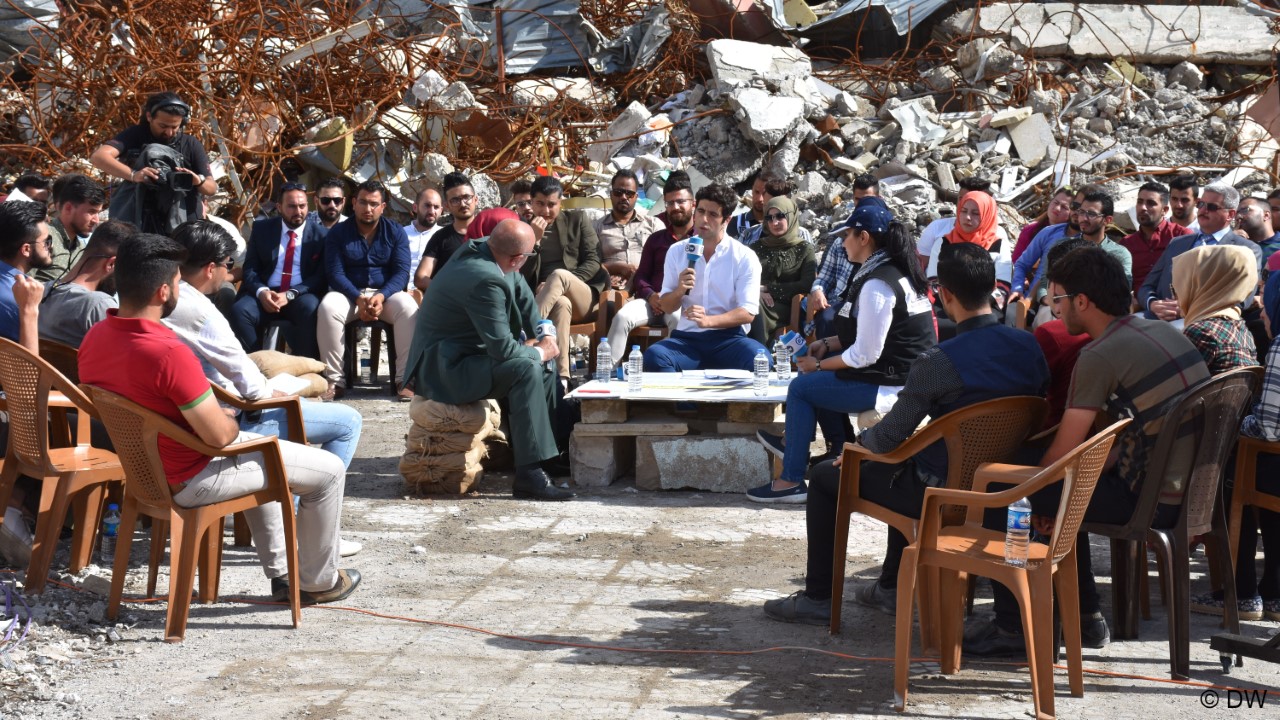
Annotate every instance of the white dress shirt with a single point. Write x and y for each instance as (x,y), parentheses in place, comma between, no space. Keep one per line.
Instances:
(277,274)
(731,280)
(417,243)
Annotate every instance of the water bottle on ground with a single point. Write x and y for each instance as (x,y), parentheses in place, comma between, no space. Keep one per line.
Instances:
(782,361)
(110,530)
(761,382)
(635,369)
(546,328)
(1018,534)
(604,361)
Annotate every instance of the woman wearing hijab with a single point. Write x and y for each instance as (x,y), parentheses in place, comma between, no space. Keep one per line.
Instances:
(787,267)
(487,220)
(1210,282)
(882,325)
(976,220)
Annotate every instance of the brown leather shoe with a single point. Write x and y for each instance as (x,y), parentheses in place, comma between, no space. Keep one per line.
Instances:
(348,579)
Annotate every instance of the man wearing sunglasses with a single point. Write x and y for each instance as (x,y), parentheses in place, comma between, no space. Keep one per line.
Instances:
(283,276)
(1215,211)
(331,198)
(623,230)
(1092,218)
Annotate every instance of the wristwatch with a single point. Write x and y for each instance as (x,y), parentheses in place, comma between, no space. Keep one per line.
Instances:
(290,294)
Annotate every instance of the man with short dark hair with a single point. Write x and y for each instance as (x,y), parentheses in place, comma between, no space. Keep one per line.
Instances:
(331,198)
(984,361)
(1134,368)
(717,298)
(71,307)
(133,354)
(30,188)
(283,276)
(1184,193)
(522,199)
(477,342)
(366,262)
(623,230)
(1273,199)
(1155,230)
(865,185)
(460,198)
(24,246)
(1093,217)
(1216,210)
(79,201)
(565,271)
(1254,218)
(426,211)
(677,196)
(740,223)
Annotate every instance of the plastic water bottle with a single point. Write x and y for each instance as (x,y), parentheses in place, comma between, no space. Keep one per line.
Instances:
(604,361)
(635,369)
(761,382)
(110,530)
(546,328)
(782,362)
(1017,535)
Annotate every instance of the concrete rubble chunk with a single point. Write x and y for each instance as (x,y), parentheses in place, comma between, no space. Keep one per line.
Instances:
(1010,116)
(632,121)
(699,463)
(1187,75)
(786,71)
(1033,139)
(765,119)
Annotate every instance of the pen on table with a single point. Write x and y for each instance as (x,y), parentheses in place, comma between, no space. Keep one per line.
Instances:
(600,392)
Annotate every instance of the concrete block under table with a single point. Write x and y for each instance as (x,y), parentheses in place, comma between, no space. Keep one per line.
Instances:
(604,411)
(632,428)
(598,461)
(753,412)
(717,464)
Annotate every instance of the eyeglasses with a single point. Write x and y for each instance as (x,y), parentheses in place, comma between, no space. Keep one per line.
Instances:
(1211,207)
(229,263)
(48,242)
(619,192)
(1075,206)
(1056,298)
(293,186)
(1090,214)
(523,203)
(775,217)
(331,200)
(461,199)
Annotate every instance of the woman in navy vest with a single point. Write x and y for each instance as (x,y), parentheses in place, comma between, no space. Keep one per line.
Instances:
(883,323)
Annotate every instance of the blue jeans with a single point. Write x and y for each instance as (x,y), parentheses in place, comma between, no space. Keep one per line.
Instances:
(723,349)
(334,426)
(806,395)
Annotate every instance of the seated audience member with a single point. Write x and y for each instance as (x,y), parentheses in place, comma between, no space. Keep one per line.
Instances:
(1058,211)
(717,298)
(426,210)
(884,323)
(984,361)
(522,199)
(24,246)
(1255,221)
(30,188)
(71,307)
(78,201)
(1184,199)
(787,267)
(644,308)
(740,223)
(1210,282)
(486,221)
(1215,212)
(284,269)
(835,269)
(476,342)
(623,230)
(1257,598)
(774,187)
(333,426)
(460,198)
(1060,347)
(1132,369)
(367,266)
(1092,217)
(1155,230)
(927,245)
(565,271)
(977,222)
(133,354)
(331,200)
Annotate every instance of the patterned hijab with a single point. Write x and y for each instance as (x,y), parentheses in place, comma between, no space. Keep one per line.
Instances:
(1212,281)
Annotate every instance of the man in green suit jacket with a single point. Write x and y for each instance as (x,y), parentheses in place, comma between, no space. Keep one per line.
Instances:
(469,347)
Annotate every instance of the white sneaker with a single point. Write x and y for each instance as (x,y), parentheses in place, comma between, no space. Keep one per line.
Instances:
(347,548)
(15,538)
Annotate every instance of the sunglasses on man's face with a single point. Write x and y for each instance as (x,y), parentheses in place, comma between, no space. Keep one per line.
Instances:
(1211,207)
(331,200)
(622,193)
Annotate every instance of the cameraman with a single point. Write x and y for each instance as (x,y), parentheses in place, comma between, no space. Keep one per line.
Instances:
(163,117)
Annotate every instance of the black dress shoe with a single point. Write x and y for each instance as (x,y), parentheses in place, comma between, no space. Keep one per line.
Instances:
(990,640)
(536,485)
(557,466)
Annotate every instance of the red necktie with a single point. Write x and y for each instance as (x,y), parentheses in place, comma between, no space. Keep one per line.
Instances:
(286,273)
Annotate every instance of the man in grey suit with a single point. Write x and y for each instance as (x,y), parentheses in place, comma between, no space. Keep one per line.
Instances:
(477,343)
(1216,211)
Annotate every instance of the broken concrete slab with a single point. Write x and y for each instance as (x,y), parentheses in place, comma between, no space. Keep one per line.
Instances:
(787,71)
(1157,34)
(598,461)
(1010,116)
(1033,139)
(716,464)
(633,120)
(604,411)
(765,119)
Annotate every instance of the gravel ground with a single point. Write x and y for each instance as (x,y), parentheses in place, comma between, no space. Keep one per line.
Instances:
(583,602)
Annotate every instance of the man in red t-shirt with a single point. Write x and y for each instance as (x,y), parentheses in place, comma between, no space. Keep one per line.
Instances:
(132,354)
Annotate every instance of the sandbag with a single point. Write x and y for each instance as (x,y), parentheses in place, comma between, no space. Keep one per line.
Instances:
(317,387)
(449,473)
(432,415)
(432,442)
(273,362)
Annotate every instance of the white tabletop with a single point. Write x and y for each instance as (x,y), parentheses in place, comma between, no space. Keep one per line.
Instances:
(684,387)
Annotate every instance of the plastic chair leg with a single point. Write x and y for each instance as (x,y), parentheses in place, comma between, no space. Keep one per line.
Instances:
(184,537)
(120,566)
(902,629)
(1068,587)
(88,511)
(53,509)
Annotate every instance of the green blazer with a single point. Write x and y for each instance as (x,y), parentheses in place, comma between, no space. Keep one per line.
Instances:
(581,250)
(471,319)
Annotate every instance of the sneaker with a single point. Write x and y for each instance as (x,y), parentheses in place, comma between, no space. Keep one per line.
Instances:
(347,548)
(791,496)
(799,608)
(1271,609)
(1213,603)
(877,597)
(1094,633)
(15,538)
(772,443)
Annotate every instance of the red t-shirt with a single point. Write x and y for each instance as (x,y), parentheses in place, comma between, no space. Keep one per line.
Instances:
(1060,350)
(145,362)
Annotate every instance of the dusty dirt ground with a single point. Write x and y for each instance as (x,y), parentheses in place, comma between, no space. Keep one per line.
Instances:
(665,587)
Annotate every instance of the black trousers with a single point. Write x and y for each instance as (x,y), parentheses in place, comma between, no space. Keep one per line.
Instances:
(1247,582)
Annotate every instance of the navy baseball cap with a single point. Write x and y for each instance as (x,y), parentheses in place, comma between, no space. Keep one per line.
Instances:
(871,215)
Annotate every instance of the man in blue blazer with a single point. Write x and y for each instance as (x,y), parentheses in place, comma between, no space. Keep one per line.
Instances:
(1216,212)
(283,276)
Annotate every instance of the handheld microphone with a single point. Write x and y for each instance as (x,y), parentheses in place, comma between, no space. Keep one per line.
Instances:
(693,251)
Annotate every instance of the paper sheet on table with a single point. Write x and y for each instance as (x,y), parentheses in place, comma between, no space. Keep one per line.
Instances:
(288,384)
(718,374)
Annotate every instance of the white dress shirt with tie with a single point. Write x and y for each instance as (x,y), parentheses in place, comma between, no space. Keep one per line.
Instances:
(295,271)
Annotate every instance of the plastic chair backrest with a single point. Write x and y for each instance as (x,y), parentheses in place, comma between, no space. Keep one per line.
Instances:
(135,432)
(985,432)
(1081,469)
(63,358)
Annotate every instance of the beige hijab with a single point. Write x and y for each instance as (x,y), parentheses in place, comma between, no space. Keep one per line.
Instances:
(1212,281)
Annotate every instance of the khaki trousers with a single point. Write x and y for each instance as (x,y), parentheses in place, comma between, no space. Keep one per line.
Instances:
(336,310)
(563,299)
